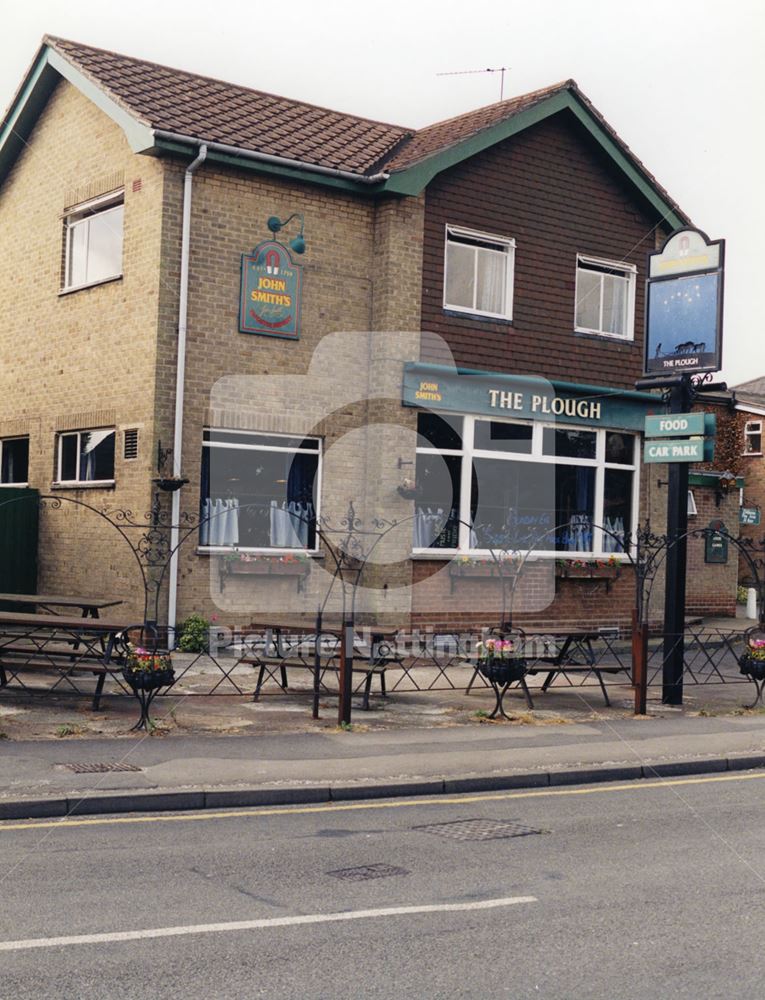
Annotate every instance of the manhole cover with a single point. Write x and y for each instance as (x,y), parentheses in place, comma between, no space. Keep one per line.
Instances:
(99,767)
(365,872)
(479,829)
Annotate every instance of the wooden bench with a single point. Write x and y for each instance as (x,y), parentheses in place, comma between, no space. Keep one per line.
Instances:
(60,646)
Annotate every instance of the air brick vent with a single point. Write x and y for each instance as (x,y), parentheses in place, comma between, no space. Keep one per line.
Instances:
(131,443)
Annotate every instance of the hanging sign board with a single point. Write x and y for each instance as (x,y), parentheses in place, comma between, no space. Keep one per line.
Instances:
(269,298)
(715,543)
(749,515)
(684,301)
(690,450)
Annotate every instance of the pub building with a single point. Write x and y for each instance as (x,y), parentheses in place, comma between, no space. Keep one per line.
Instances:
(294,309)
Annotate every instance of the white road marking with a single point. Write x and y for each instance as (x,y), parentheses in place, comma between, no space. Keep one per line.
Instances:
(249,925)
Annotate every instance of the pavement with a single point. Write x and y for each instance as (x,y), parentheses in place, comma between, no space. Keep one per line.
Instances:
(211,752)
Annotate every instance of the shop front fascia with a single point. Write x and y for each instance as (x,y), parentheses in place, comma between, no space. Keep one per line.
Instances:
(528,463)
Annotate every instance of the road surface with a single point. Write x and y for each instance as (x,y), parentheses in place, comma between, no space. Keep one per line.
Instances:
(641,890)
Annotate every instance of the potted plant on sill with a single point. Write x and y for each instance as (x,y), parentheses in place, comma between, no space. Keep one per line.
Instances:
(588,569)
(468,566)
(263,565)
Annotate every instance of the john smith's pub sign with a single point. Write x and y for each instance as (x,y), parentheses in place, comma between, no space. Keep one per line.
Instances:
(269,300)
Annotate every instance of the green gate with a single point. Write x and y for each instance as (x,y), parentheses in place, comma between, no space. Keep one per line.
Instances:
(19,515)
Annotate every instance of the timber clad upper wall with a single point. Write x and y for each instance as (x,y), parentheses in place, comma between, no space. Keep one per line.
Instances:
(550,189)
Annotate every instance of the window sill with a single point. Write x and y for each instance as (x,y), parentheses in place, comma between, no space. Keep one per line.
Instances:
(101,484)
(594,335)
(223,550)
(483,317)
(13,486)
(751,454)
(89,284)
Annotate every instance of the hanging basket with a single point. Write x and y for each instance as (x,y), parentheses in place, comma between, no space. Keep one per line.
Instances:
(752,666)
(502,671)
(148,680)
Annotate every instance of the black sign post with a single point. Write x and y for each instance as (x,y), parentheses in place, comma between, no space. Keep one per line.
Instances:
(683,337)
(680,399)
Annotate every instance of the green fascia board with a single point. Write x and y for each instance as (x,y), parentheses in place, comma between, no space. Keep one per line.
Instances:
(413,180)
(41,80)
(36,90)
(710,479)
(443,371)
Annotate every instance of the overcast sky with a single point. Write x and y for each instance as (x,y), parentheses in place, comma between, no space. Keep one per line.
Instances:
(680,81)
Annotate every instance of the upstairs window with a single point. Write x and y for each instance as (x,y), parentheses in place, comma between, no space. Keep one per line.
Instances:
(605,297)
(93,242)
(14,461)
(86,457)
(753,437)
(478,273)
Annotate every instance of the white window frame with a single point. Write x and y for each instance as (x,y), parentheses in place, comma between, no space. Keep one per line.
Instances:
(79,482)
(468,452)
(319,452)
(14,437)
(509,252)
(81,215)
(629,271)
(750,432)
(692,508)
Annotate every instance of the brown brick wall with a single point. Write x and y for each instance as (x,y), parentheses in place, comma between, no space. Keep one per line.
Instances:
(711,587)
(549,189)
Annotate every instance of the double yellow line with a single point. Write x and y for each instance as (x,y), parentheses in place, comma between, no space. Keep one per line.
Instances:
(438,800)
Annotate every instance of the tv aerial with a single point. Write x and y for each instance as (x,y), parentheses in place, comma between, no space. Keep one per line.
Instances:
(467,72)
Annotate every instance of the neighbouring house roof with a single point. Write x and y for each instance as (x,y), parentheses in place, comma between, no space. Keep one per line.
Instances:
(163,110)
(750,393)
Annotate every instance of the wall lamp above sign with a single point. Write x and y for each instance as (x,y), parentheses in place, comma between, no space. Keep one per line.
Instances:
(275,225)
(725,484)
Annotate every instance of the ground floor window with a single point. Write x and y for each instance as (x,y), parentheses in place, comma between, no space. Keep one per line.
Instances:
(86,457)
(486,484)
(14,461)
(259,491)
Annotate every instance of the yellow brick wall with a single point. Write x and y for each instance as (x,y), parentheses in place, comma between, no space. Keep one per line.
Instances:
(87,358)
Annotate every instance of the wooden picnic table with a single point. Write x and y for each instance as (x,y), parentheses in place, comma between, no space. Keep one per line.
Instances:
(90,606)
(60,645)
(284,646)
(564,651)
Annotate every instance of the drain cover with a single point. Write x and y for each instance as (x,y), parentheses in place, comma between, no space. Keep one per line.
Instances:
(365,872)
(99,767)
(479,829)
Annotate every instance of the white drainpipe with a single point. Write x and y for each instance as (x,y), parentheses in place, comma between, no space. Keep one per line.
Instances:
(180,378)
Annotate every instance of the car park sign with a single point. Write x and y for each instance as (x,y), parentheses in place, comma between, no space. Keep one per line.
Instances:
(663,450)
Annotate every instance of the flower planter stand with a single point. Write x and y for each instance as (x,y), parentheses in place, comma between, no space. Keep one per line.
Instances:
(501,673)
(754,669)
(145,685)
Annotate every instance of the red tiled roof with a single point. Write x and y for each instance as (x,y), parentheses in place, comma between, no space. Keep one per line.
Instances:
(175,101)
(210,110)
(441,135)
